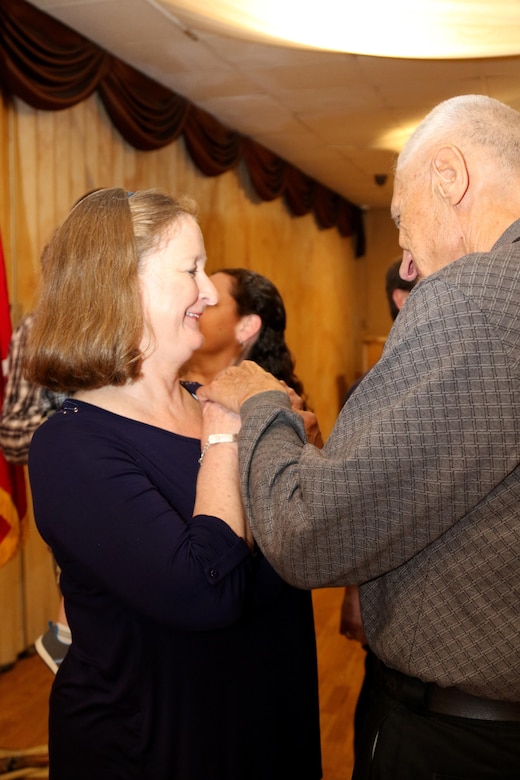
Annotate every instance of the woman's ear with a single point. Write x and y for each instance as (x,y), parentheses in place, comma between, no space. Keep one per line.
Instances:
(248,328)
(450,174)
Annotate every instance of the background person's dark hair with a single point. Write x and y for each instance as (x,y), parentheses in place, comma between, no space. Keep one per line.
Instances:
(394,282)
(255,294)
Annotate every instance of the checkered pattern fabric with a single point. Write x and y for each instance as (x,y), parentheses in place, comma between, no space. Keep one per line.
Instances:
(416,493)
(26,405)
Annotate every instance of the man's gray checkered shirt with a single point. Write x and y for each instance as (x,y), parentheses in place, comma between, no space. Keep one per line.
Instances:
(416,493)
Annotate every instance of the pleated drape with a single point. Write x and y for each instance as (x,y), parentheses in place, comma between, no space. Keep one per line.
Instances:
(51,67)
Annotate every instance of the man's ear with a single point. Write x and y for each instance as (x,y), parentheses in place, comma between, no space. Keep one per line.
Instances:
(248,328)
(450,174)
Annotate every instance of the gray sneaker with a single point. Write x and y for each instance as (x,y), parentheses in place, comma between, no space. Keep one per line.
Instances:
(50,649)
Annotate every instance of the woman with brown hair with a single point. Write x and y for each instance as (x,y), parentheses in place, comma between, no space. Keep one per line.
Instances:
(190,658)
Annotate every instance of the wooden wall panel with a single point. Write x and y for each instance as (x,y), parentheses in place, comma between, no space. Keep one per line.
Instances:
(382,250)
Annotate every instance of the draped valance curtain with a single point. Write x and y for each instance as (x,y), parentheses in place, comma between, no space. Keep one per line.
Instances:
(51,67)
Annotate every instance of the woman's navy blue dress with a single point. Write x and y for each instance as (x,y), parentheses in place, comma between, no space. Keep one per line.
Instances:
(191,659)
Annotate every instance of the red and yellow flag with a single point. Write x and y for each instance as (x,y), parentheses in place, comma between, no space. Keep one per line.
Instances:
(13,499)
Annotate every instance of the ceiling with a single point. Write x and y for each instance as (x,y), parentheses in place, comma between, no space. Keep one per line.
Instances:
(340,118)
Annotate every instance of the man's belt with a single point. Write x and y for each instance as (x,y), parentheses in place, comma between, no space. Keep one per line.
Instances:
(430,697)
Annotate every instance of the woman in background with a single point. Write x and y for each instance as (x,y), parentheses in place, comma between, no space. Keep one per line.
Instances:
(248,321)
(190,658)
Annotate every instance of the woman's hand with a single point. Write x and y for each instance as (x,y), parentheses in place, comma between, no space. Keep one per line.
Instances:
(218,419)
(310,421)
(297,402)
(312,428)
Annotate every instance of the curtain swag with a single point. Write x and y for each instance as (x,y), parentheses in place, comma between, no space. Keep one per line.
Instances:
(51,67)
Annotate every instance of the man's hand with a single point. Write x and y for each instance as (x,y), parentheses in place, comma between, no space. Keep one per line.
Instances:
(236,384)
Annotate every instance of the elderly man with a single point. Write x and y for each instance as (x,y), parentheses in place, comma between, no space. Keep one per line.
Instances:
(416,494)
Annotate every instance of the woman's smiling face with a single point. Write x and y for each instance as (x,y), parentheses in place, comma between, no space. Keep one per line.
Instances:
(175,290)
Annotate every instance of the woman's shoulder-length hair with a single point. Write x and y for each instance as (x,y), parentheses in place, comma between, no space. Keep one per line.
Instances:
(88,320)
